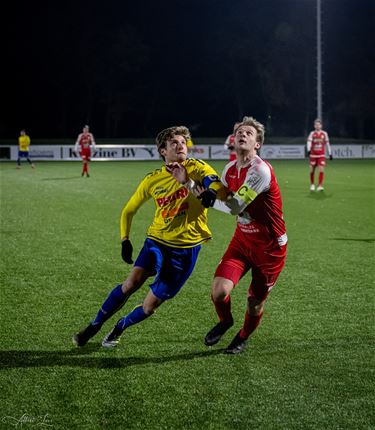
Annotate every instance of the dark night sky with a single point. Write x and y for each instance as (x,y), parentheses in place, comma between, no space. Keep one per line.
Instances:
(130,69)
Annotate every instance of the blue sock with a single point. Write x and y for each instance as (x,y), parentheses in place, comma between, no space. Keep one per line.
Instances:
(134,317)
(112,304)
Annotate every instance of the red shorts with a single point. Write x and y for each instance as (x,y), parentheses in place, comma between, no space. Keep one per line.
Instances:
(317,161)
(85,154)
(264,256)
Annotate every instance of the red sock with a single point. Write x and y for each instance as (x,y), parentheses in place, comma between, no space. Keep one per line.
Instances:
(223,309)
(312,178)
(84,170)
(250,324)
(321,176)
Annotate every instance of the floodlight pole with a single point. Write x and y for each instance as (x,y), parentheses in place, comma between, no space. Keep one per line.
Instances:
(319,60)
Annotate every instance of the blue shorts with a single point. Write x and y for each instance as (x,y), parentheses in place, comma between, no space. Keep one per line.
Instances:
(23,154)
(172,266)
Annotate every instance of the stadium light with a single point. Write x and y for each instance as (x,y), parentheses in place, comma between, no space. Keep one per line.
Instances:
(319,61)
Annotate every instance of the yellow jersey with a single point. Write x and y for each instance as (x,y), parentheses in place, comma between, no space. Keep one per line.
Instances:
(24,142)
(180,220)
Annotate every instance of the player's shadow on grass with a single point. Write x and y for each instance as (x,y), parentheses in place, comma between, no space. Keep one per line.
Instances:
(82,358)
(321,195)
(353,239)
(61,178)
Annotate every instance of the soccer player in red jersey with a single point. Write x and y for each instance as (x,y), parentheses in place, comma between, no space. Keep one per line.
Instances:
(229,144)
(317,142)
(84,143)
(259,241)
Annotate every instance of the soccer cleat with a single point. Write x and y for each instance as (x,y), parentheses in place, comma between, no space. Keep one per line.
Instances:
(312,187)
(82,174)
(112,339)
(320,188)
(33,166)
(236,346)
(87,175)
(81,338)
(215,334)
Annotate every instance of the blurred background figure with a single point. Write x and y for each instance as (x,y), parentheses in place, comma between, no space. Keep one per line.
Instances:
(190,146)
(84,143)
(317,142)
(23,151)
(229,144)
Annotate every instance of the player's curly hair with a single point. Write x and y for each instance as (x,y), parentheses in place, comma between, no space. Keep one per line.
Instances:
(169,133)
(259,127)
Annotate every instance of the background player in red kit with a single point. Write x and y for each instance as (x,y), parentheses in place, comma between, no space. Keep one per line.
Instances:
(229,144)
(259,241)
(84,143)
(317,142)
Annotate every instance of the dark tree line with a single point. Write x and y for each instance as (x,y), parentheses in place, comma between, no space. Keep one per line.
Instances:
(129,70)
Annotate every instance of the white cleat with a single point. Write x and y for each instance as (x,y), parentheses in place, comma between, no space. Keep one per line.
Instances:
(312,187)
(112,339)
(320,188)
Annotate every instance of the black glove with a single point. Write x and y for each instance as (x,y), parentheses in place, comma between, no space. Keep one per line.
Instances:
(330,157)
(126,251)
(208,197)
(308,153)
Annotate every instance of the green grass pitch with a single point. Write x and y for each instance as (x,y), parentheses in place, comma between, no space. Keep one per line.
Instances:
(310,364)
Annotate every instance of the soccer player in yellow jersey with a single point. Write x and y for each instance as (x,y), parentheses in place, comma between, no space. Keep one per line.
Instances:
(173,240)
(23,151)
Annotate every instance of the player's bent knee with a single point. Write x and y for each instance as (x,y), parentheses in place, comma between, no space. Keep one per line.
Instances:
(218,296)
(148,310)
(151,303)
(130,286)
(255,306)
(221,287)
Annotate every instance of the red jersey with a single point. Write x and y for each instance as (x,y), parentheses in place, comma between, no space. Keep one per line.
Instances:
(317,143)
(84,140)
(256,200)
(229,144)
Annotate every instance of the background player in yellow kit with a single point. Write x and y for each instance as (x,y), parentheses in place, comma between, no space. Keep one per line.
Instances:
(23,150)
(173,239)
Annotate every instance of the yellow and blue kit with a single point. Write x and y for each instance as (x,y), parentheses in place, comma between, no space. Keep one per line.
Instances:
(24,143)
(180,220)
(174,238)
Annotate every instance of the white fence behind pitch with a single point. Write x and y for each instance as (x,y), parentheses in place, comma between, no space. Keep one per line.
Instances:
(204,152)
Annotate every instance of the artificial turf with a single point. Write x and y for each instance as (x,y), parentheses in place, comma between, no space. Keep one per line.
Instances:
(309,365)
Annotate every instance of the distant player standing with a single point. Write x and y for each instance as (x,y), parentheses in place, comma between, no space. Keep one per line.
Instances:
(229,145)
(317,142)
(23,151)
(84,144)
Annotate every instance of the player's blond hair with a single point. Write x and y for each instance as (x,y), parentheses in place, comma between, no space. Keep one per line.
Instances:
(169,133)
(259,127)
